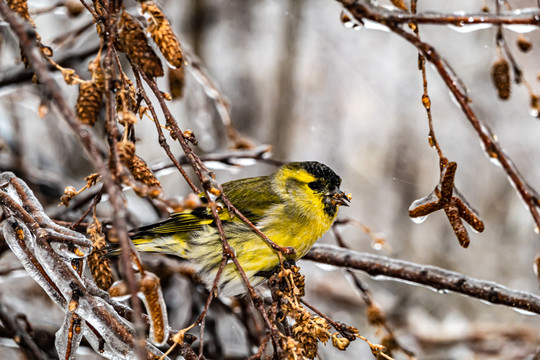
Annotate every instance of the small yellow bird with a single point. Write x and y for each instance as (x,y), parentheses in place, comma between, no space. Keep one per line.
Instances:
(293,207)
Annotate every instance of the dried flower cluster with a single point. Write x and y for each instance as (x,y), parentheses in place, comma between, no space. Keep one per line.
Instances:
(307,330)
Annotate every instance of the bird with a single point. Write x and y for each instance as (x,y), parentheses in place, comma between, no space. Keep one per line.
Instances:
(293,207)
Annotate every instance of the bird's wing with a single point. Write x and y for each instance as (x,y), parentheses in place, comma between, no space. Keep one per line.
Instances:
(252,196)
(181,222)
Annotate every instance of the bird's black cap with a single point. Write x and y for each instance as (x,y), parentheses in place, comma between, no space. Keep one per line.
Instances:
(322,171)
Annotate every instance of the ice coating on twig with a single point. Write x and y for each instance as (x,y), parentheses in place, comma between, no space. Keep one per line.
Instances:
(46,251)
(152,297)
(69,336)
(26,255)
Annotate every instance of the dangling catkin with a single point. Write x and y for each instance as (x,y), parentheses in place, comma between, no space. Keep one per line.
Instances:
(177,79)
(500,75)
(163,36)
(89,102)
(133,41)
(100,266)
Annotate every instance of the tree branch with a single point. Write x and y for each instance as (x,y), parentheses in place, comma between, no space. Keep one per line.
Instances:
(432,276)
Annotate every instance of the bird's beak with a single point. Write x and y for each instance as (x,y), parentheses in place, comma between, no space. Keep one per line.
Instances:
(338,197)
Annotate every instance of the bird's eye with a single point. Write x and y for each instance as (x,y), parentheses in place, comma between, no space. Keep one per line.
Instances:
(316,186)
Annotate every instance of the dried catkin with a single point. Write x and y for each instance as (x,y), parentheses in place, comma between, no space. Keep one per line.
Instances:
(177,79)
(89,102)
(100,266)
(524,44)
(399,4)
(153,301)
(141,172)
(138,168)
(500,75)
(126,152)
(133,41)
(162,33)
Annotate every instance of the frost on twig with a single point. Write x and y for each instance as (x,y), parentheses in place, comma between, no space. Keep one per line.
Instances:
(54,257)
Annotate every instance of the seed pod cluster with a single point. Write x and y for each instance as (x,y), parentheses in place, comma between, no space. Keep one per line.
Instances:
(161,31)
(98,76)
(133,41)
(126,152)
(500,75)
(89,102)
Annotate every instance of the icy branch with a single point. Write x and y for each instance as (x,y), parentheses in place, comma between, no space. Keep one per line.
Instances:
(431,276)
(49,253)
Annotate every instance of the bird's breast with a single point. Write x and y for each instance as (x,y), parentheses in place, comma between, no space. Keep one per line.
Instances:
(298,229)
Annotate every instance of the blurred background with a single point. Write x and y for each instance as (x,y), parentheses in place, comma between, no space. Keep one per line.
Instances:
(314,89)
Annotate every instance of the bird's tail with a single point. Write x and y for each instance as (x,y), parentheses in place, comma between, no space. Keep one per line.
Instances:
(171,236)
(173,244)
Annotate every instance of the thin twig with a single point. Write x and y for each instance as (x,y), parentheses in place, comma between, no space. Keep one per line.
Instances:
(20,335)
(161,136)
(367,297)
(92,206)
(69,59)
(261,153)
